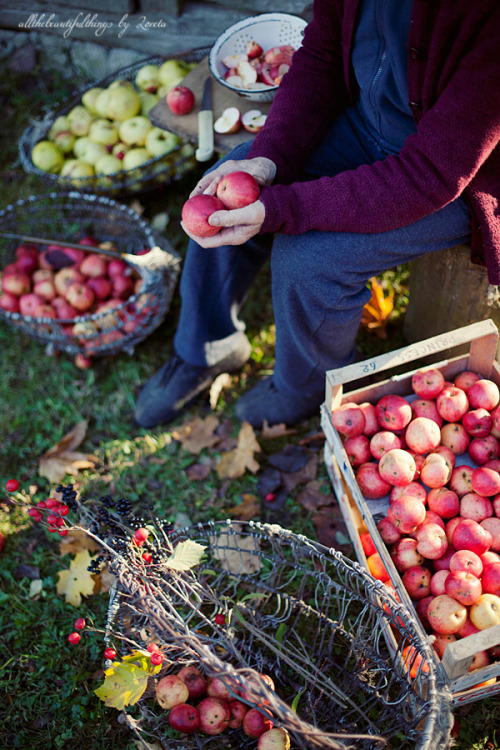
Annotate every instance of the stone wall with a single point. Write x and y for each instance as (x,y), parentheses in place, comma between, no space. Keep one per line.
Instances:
(94,38)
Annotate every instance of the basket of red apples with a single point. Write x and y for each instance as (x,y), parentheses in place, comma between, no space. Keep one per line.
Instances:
(83,274)
(270,641)
(101,139)
(252,56)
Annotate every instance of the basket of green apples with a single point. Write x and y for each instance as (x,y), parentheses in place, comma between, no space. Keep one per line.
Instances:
(101,139)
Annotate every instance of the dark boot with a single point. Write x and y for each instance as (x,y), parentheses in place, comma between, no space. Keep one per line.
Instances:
(265,403)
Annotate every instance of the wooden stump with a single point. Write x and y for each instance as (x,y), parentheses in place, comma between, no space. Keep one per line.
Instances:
(447,291)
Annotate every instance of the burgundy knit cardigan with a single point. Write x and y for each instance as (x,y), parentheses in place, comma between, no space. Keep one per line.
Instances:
(454,94)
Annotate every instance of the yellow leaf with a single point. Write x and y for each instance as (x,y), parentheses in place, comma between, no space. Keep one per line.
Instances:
(75,542)
(377,311)
(126,681)
(233,464)
(77,581)
(248,509)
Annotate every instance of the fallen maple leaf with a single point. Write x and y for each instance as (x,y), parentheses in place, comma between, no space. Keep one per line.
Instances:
(376,312)
(234,463)
(62,459)
(198,472)
(197,434)
(77,581)
(305,474)
(77,541)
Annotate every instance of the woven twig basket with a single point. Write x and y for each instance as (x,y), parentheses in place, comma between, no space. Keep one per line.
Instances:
(314,620)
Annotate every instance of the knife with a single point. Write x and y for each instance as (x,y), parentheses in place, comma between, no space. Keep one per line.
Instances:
(205,148)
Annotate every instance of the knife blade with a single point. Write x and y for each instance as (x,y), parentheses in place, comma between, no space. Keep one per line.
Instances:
(205,148)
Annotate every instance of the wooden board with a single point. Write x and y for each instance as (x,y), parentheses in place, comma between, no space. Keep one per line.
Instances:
(187,125)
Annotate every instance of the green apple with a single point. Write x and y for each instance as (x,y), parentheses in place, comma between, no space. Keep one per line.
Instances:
(101,103)
(135,158)
(88,151)
(103,131)
(76,171)
(60,123)
(147,78)
(133,131)
(79,120)
(65,140)
(89,99)
(172,72)
(121,83)
(108,164)
(148,101)
(160,142)
(123,103)
(47,157)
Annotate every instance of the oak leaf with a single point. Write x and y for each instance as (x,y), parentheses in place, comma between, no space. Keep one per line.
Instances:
(234,463)
(77,581)
(197,434)
(62,459)
(77,541)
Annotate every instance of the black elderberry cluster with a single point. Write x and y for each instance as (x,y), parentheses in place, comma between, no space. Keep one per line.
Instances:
(68,496)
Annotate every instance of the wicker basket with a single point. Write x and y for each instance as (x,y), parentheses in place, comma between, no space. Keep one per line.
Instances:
(68,217)
(304,614)
(157,172)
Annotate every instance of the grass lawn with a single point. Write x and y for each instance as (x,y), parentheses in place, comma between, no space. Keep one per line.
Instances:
(46,685)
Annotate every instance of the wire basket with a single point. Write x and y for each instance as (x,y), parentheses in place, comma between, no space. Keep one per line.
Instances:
(343,653)
(157,172)
(68,217)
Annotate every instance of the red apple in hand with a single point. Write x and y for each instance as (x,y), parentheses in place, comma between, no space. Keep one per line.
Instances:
(180,100)
(196,212)
(238,189)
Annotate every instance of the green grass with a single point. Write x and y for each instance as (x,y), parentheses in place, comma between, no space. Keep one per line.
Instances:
(46,685)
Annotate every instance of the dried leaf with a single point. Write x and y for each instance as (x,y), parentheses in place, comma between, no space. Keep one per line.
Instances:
(221,381)
(328,523)
(77,581)
(276,430)
(77,541)
(198,472)
(268,481)
(234,463)
(62,459)
(35,587)
(237,554)
(291,458)
(377,311)
(103,581)
(246,510)
(198,434)
(185,556)
(313,498)
(305,474)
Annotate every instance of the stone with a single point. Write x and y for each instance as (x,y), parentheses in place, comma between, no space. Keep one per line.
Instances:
(23,60)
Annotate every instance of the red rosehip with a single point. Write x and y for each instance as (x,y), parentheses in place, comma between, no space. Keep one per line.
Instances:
(141,535)
(152,648)
(147,557)
(220,619)
(62,532)
(270,497)
(51,519)
(35,514)
(12,485)
(156,658)
(50,502)
(110,653)
(74,638)
(41,504)
(80,623)
(63,509)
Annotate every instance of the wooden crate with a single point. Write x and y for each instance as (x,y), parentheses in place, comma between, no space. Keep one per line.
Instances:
(362,514)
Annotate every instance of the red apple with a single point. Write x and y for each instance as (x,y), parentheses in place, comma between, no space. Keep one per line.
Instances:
(171,691)
(123,285)
(393,412)
(196,212)
(256,722)
(383,441)
(214,716)
(422,435)
(184,718)
(414,488)
(45,289)
(483,394)
(101,286)
(404,554)
(194,680)
(218,688)
(80,296)
(237,710)
(9,302)
(377,567)
(482,450)
(455,437)
(491,579)
(94,265)
(371,422)
(475,507)
(428,383)
(435,472)
(388,532)
(461,479)
(370,482)
(465,379)
(478,422)
(443,501)
(443,562)
(470,535)
(29,304)
(357,450)
(438,581)
(238,189)
(441,641)
(485,481)
(431,541)
(417,581)
(466,561)
(27,263)
(406,513)
(16,283)
(464,587)
(348,419)
(65,277)
(452,403)
(422,407)
(397,467)
(446,615)
(492,525)
(180,100)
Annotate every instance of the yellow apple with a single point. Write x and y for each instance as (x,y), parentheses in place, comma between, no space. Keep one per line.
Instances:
(123,103)
(485,613)
(47,157)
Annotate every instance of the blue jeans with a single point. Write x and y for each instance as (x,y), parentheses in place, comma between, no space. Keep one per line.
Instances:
(319,279)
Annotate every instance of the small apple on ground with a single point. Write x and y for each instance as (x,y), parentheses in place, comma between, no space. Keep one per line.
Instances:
(185,718)
(214,716)
(171,691)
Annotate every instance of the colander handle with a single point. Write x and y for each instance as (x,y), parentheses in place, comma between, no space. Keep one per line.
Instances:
(62,244)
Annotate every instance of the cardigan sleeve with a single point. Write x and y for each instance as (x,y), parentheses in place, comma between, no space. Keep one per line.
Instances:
(454,138)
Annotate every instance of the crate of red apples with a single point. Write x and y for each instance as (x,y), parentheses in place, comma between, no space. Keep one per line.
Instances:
(83,274)
(415,464)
